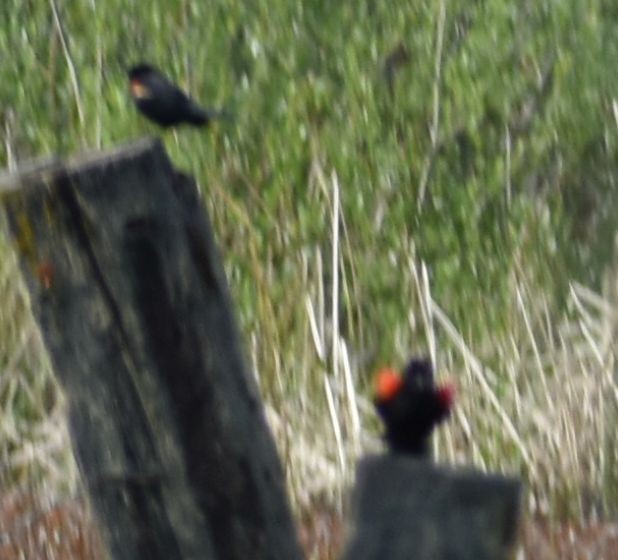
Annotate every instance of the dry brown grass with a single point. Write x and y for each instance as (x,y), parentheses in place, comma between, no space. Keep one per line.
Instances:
(537,400)
(36,527)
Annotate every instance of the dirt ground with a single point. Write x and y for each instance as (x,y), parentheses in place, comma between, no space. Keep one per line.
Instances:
(36,529)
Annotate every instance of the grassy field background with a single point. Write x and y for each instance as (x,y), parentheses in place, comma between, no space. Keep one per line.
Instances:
(417,177)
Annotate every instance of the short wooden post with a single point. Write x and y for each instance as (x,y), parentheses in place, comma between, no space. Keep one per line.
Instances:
(166,420)
(404,508)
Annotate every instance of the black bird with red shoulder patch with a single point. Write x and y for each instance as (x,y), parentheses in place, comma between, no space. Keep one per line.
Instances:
(411,406)
(161,101)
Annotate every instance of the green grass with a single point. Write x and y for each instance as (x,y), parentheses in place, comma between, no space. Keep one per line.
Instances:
(473,197)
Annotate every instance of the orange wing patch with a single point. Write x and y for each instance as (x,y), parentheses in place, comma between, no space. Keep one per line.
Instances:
(446,395)
(139,90)
(388,384)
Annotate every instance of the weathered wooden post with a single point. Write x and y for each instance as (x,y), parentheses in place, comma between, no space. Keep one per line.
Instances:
(166,420)
(404,508)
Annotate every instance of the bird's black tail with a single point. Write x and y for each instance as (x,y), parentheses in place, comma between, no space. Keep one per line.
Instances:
(202,117)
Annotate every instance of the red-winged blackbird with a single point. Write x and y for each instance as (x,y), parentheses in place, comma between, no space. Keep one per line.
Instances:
(163,102)
(411,406)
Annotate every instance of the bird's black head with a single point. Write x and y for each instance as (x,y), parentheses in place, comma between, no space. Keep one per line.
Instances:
(140,71)
(419,374)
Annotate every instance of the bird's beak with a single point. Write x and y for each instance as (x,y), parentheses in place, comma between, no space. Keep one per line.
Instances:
(139,90)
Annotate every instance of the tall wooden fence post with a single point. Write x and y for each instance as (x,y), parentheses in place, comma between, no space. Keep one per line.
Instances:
(166,421)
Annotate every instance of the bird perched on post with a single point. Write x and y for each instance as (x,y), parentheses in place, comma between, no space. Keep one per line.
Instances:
(161,101)
(411,406)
